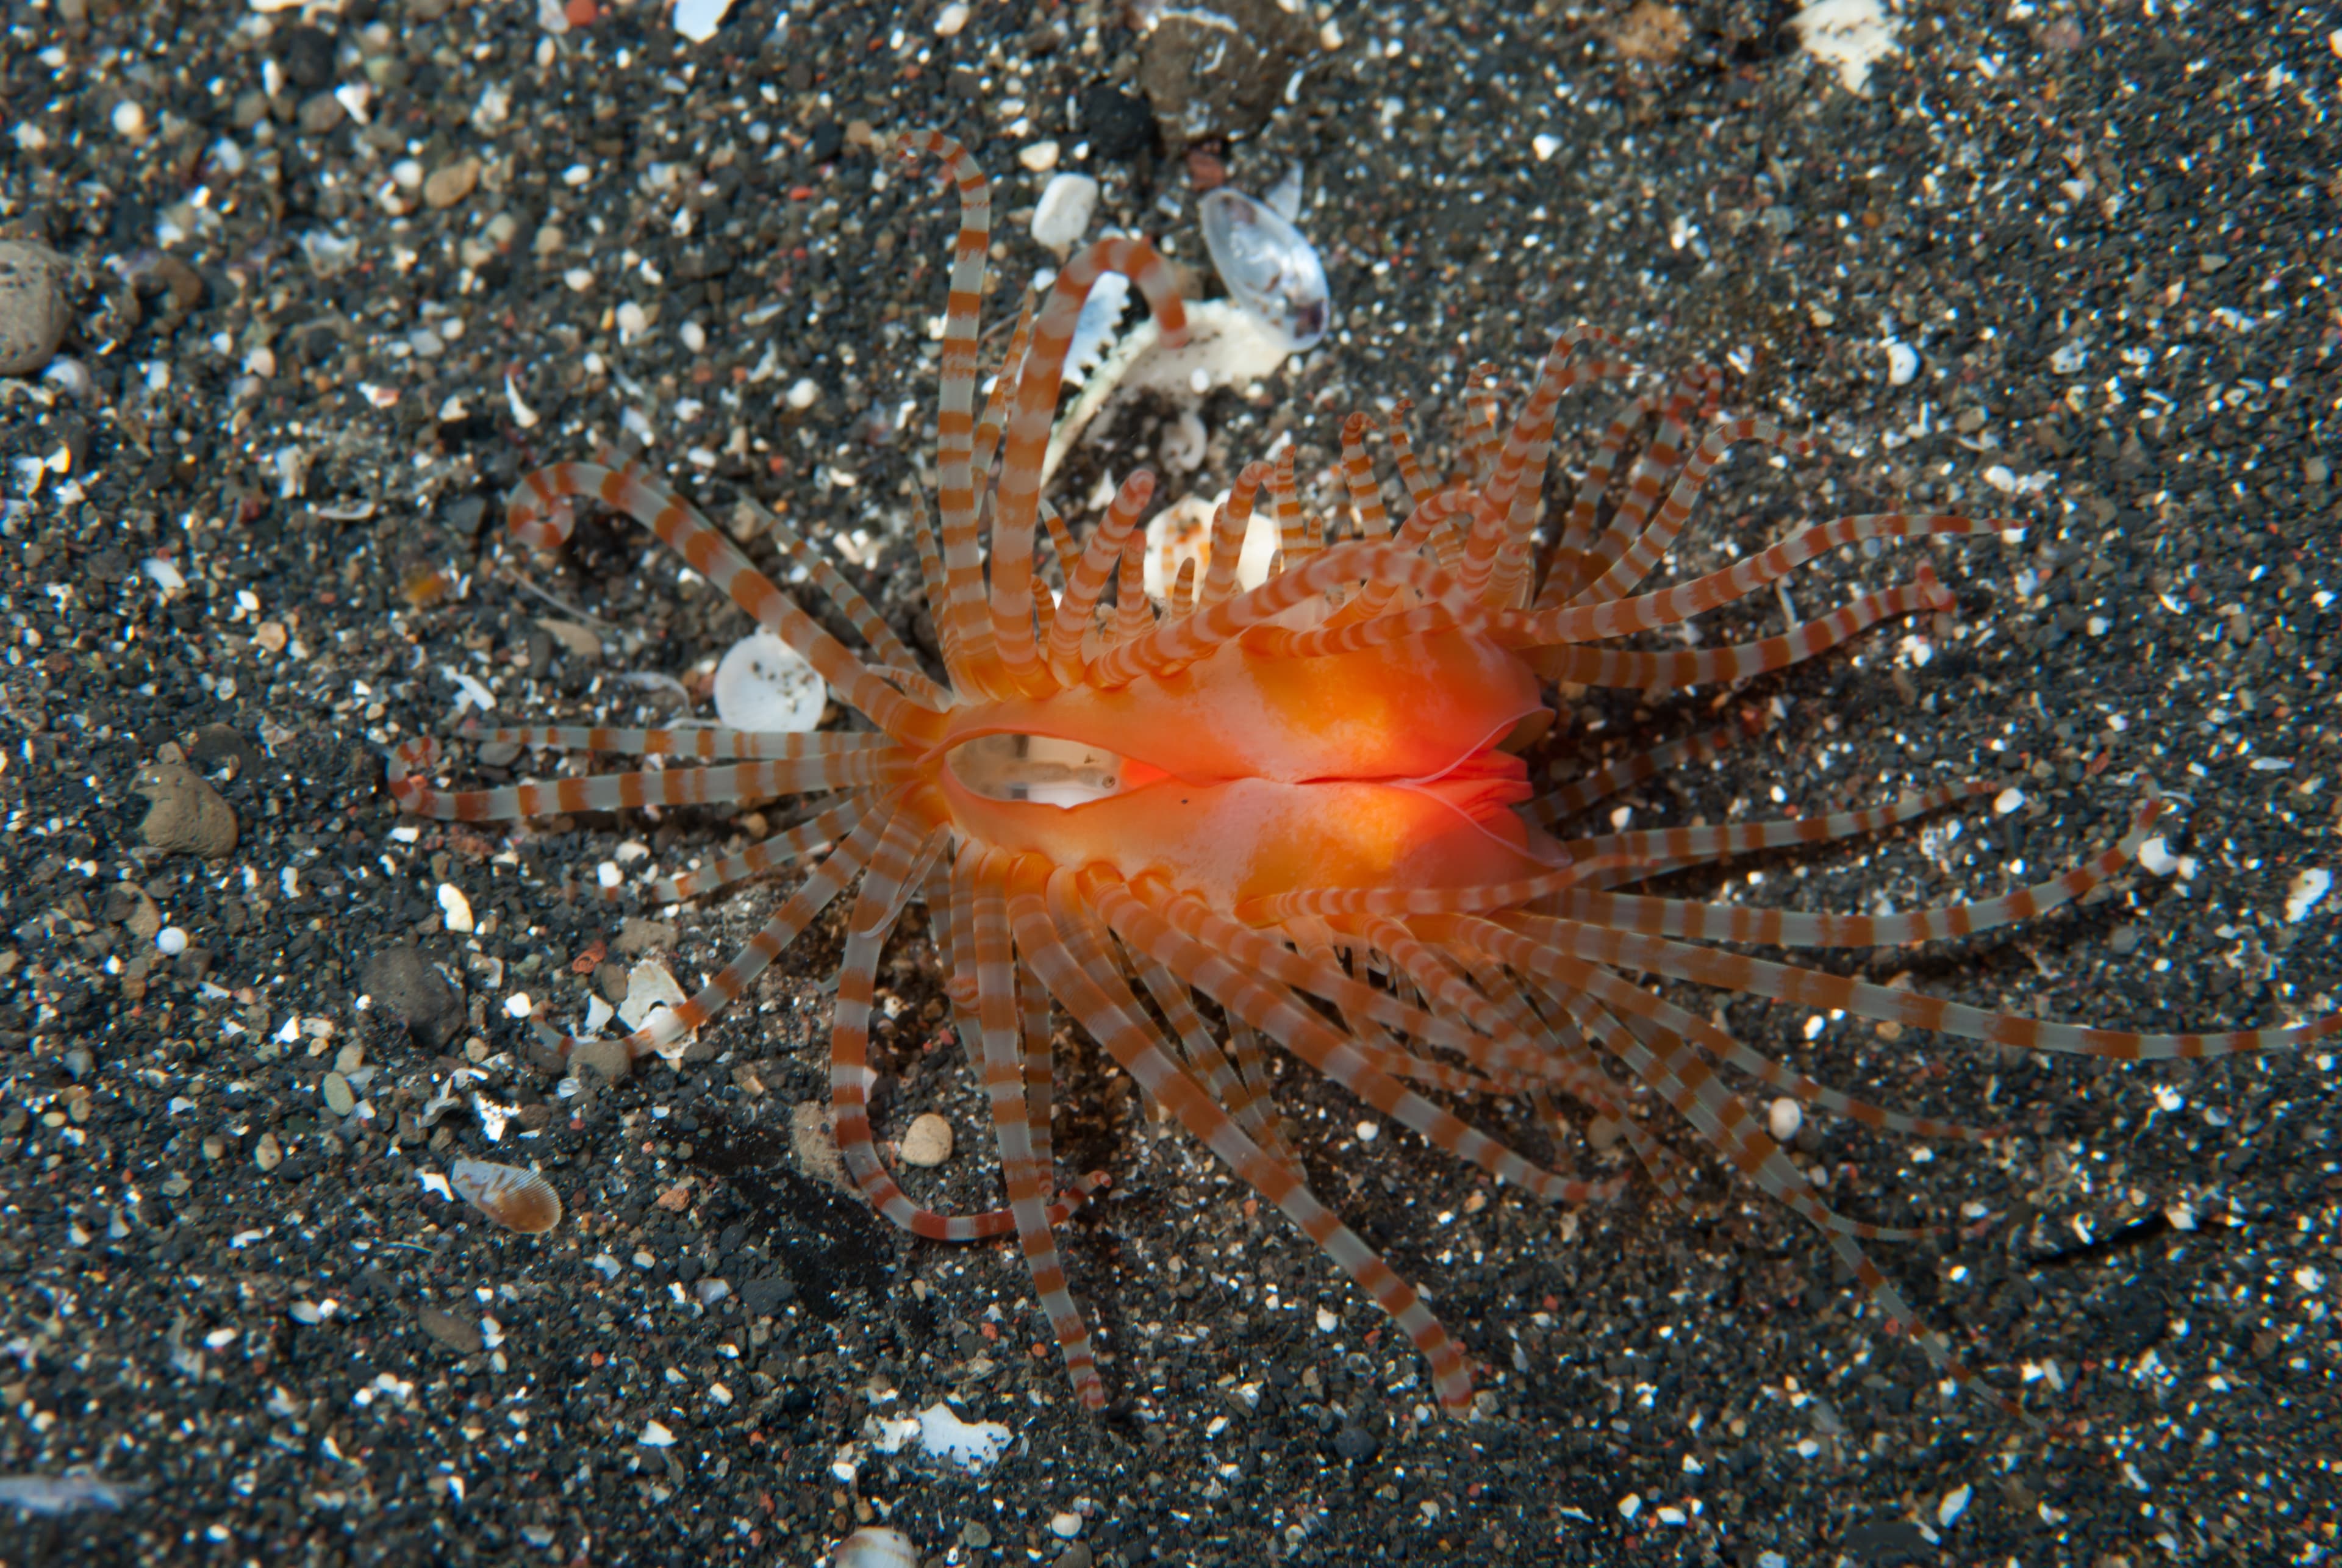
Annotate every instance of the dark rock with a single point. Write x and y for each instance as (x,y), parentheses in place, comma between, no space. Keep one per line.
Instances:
(764,1298)
(1356,1442)
(1117,125)
(1217,69)
(308,57)
(407,984)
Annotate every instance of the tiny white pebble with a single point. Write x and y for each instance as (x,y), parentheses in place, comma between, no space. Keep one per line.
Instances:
(657,1437)
(2303,893)
(2007,801)
(1902,363)
(171,942)
(1066,1527)
(577,174)
(1064,210)
(1545,146)
(1369,1131)
(1040,157)
(608,874)
(631,319)
(1955,1504)
(578,278)
(1327,1320)
(950,20)
(1783,1117)
(1630,1506)
(129,119)
(694,336)
(456,908)
(2157,856)
(519,1004)
(803,393)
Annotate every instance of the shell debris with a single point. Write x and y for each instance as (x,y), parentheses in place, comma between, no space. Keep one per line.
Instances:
(875,1546)
(519,1200)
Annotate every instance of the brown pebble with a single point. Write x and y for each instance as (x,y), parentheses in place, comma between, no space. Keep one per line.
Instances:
(456,1333)
(451,182)
(186,814)
(928,1142)
(638,937)
(33,306)
(607,1058)
(268,1154)
(321,113)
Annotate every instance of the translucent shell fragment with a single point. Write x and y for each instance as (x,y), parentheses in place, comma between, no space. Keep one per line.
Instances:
(515,1199)
(875,1546)
(1270,270)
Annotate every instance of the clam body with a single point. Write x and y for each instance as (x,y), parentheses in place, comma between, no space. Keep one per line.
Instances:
(515,1199)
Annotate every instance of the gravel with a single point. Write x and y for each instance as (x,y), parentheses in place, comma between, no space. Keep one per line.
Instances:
(352,273)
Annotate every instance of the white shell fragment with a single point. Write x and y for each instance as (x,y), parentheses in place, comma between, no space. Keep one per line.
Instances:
(515,1199)
(698,19)
(2306,889)
(1270,270)
(875,1546)
(764,684)
(928,1142)
(1064,210)
(942,1434)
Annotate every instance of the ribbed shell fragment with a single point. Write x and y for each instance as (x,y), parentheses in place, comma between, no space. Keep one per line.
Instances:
(515,1199)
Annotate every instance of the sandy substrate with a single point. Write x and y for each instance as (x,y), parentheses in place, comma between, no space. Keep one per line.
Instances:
(342,281)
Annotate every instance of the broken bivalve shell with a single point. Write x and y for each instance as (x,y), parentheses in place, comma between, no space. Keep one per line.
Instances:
(1270,270)
(515,1199)
(875,1547)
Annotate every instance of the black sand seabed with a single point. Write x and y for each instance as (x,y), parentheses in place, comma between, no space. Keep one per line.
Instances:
(2108,234)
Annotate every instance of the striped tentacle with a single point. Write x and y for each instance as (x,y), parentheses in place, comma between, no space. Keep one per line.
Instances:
(1133,614)
(1665,1062)
(820,888)
(538,515)
(1580,794)
(1230,524)
(1112,1016)
(1651,546)
(1016,506)
(1504,533)
(711,743)
(1479,442)
(1257,953)
(1807,988)
(1292,528)
(806,836)
(1078,611)
(1004,1082)
(1004,387)
(625,791)
(1790,928)
(1370,1072)
(1176,644)
(1672,848)
(1419,487)
(1358,477)
(1648,478)
(894,658)
(1573,564)
(1737,661)
(955,393)
(1671,607)
(934,577)
(1434,514)
(1546,963)
(1203,1054)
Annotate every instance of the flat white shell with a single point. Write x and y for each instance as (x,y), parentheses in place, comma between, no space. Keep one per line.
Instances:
(762,684)
(874,1546)
(1270,270)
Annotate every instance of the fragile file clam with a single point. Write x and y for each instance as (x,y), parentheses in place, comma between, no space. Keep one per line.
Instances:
(517,1200)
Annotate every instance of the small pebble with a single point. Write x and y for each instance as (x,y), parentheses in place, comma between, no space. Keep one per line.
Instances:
(1040,157)
(185,813)
(32,307)
(928,1141)
(130,121)
(804,394)
(1064,210)
(1783,1117)
(171,942)
(455,909)
(451,182)
(268,1154)
(950,20)
(339,1097)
